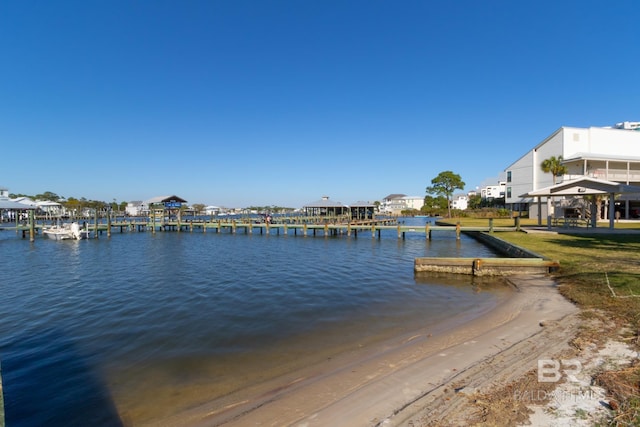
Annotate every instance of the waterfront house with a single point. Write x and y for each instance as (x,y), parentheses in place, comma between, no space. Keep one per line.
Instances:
(212,210)
(460,201)
(412,202)
(392,204)
(603,153)
(134,208)
(51,209)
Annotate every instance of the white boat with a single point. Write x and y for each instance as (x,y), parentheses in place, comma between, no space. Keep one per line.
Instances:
(66,232)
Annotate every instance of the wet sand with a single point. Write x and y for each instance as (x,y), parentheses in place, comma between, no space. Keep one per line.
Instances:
(421,376)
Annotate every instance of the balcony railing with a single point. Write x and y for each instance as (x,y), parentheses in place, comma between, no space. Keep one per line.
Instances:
(618,175)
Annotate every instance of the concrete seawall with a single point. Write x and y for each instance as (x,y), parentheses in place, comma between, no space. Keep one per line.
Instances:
(485,266)
(499,245)
(519,261)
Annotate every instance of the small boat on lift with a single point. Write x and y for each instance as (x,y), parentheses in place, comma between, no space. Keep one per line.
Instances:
(66,232)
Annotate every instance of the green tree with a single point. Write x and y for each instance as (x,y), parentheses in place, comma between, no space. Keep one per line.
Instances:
(49,196)
(434,204)
(444,185)
(475,202)
(198,208)
(554,165)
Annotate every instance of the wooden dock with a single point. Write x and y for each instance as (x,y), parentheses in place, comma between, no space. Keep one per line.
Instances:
(374,228)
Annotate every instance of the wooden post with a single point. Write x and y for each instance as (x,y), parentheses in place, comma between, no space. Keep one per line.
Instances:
(233,226)
(326,229)
(304,229)
(285,229)
(109,223)
(458,231)
(373,231)
(427,232)
(399,233)
(95,223)
(32,225)
(490,225)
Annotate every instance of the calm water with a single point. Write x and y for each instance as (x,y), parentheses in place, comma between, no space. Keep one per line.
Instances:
(140,326)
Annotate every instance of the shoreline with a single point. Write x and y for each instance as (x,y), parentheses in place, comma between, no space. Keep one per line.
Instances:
(413,379)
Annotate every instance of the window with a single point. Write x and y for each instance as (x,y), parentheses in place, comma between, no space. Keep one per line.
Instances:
(508,192)
(508,176)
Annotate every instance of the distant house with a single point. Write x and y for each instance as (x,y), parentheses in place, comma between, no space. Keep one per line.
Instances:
(460,202)
(392,204)
(491,192)
(135,208)
(49,208)
(212,210)
(413,202)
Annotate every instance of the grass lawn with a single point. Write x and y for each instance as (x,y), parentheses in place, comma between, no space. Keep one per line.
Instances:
(600,272)
(594,268)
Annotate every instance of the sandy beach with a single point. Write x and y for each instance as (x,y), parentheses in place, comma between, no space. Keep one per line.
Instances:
(412,380)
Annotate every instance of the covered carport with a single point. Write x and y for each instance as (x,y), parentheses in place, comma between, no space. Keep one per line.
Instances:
(10,205)
(584,186)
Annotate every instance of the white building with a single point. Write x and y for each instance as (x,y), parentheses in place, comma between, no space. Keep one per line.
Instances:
(135,208)
(460,202)
(493,191)
(611,153)
(413,202)
(212,210)
(394,204)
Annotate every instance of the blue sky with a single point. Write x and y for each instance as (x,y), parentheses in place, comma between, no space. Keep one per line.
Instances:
(239,103)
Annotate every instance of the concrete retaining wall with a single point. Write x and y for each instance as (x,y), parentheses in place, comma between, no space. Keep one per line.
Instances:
(504,248)
(485,266)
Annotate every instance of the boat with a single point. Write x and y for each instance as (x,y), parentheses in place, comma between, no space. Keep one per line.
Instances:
(66,232)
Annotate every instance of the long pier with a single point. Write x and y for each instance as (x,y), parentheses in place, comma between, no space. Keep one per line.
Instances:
(354,228)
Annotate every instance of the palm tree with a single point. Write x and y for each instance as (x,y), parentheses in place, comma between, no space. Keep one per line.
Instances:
(554,165)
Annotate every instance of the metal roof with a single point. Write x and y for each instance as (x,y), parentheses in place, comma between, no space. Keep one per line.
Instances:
(162,199)
(10,204)
(583,186)
(362,205)
(595,156)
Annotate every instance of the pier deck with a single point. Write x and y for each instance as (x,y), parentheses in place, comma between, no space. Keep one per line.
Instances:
(354,228)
